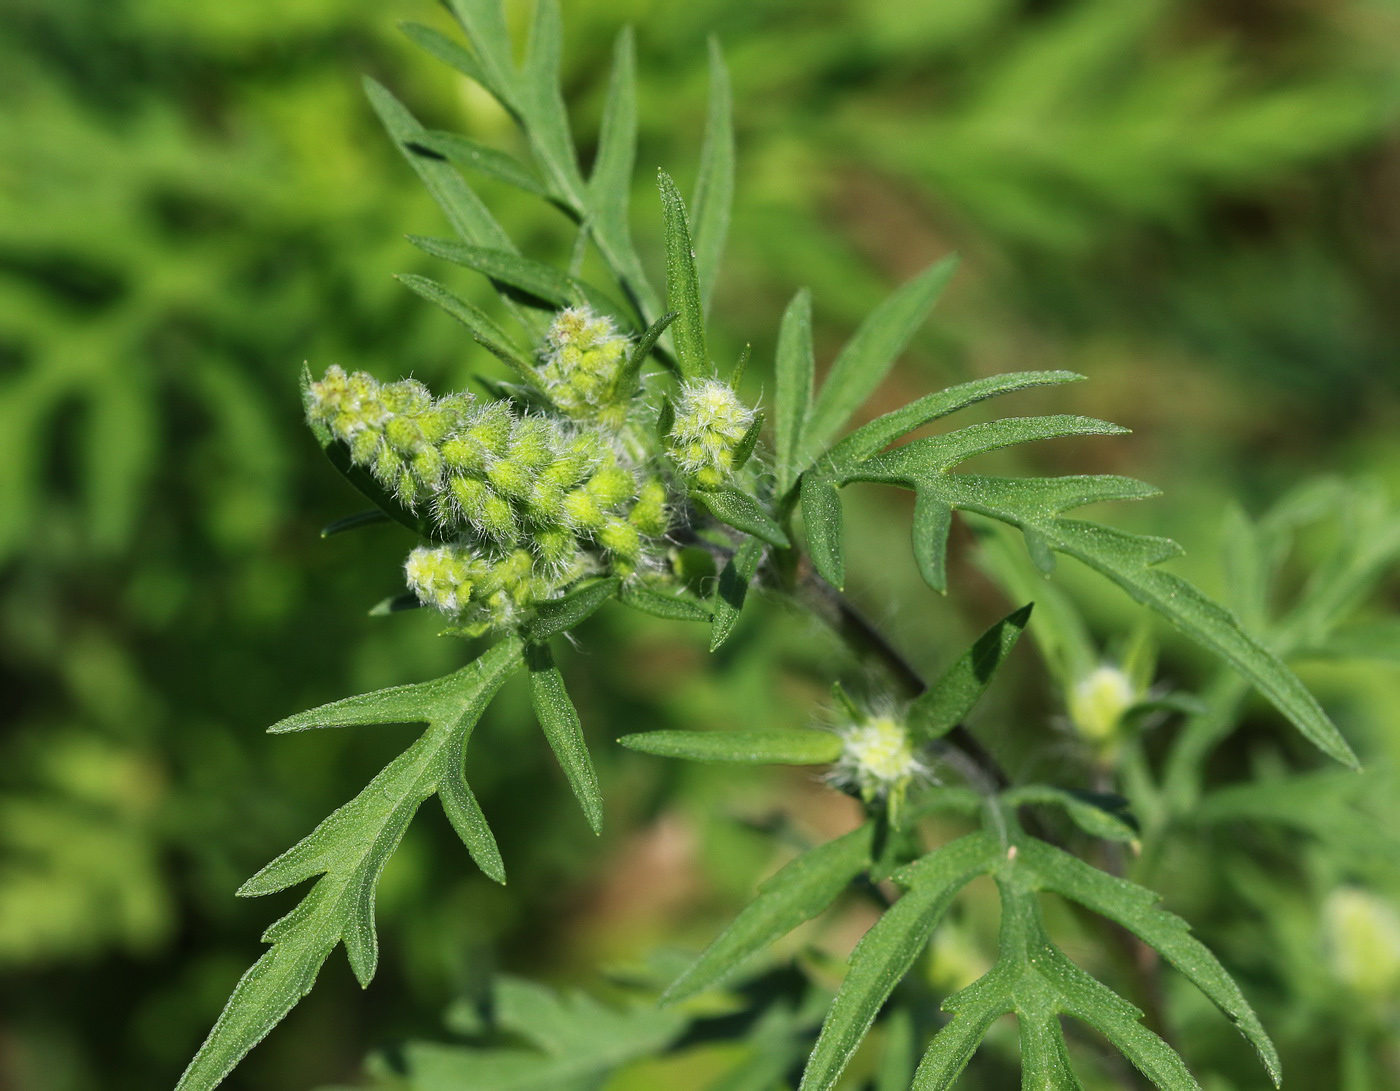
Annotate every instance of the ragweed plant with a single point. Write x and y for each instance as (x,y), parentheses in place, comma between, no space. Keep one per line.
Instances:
(618,445)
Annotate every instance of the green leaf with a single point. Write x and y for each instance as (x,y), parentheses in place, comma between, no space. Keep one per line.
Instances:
(746,747)
(610,186)
(1136,909)
(1096,814)
(879,433)
(886,952)
(1034,506)
(734,581)
(572,1042)
(668,602)
(795,367)
(464,60)
(559,615)
(559,720)
(798,892)
(491,162)
(682,285)
(866,359)
(742,512)
(821,519)
(348,851)
(534,278)
(942,706)
(743,450)
(465,211)
(714,188)
(631,371)
(1378,640)
(485,25)
(396,604)
(541,103)
(484,331)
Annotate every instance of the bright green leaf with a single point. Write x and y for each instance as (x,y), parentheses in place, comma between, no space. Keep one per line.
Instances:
(792,399)
(714,188)
(943,705)
(682,285)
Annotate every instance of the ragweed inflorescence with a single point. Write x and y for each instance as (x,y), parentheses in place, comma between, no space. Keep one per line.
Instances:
(526,501)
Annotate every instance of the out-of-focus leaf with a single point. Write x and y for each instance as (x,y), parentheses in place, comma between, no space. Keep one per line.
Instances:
(746,747)
(798,892)
(867,358)
(794,370)
(714,188)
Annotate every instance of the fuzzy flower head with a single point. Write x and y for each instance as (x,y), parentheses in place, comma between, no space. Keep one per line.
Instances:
(1097,703)
(582,365)
(521,505)
(1361,933)
(710,425)
(878,759)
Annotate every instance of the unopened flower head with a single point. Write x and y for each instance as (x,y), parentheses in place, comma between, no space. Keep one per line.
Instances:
(582,365)
(710,424)
(878,758)
(1098,701)
(1362,937)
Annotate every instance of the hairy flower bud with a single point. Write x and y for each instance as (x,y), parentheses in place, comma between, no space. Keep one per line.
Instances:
(582,364)
(710,423)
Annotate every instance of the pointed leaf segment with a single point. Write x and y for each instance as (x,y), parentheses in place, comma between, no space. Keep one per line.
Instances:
(349,849)
(1036,507)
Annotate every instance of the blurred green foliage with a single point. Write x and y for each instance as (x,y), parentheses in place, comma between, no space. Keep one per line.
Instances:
(1190,202)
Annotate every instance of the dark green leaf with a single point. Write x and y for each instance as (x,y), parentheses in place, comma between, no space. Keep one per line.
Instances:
(862,365)
(667,603)
(734,581)
(354,522)
(797,893)
(943,705)
(534,278)
(561,614)
(483,330)
(742,512)
(682,285)
(885,953)
(821,519)
(496,164)
(395,604)
(559,720)
(714,188)
(795,367)
(1097,815)
(879,433)
(1135,908)
(348,851)
(743,450)
(631,372)
(611,184)
(744,747)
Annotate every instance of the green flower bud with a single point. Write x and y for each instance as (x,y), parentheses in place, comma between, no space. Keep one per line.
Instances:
(583,359)
(510,477)
(612,487)
(650,514)
(710,422)
(582,511)
(622,541)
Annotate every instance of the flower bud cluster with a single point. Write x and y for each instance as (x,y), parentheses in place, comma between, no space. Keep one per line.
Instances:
(582,365)
(526,504)
(710,425)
